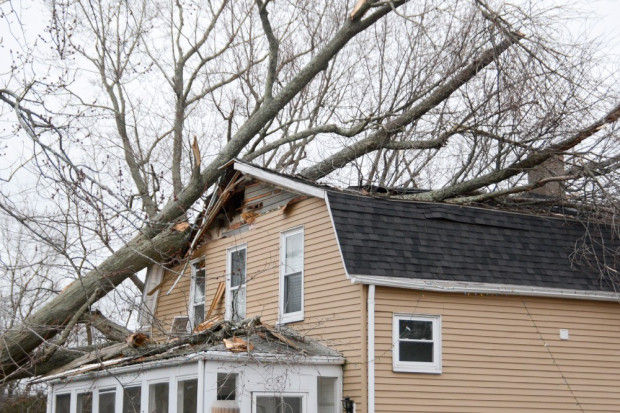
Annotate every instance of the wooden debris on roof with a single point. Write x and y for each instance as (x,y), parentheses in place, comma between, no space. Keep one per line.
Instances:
(136,340)
(219,294)
(238,345)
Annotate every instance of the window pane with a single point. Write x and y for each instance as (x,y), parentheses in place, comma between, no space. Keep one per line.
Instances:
(63,403)
(199,289)
(415,351)
(158,398)
(238,304)
(187,394)
(107,401)
(292,293)
(326,394)
(416,330)
(84,403)
(294,253)
(291,405)
(237,267)
(131,399)
(199,314)
(226,386)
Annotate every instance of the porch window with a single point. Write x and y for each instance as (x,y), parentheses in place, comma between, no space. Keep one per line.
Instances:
(326,394)
(226,386)
(197,293)
(63,403)
(107,400)
(292,276)
(280,403)
(84,403)
(187,394)
(131,399)
(235,308)
(417,343)
(158,398)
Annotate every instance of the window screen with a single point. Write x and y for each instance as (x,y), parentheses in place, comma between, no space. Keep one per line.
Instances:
(326,394)
(187,394)
(237,286)
(107,400)
(84,403)
(131,399)
(226,386)
(63,403)
(158,398)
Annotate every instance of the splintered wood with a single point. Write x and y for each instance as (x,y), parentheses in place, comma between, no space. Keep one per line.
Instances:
(238,345)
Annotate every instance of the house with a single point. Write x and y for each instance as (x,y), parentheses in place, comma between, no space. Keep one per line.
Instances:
(405,306)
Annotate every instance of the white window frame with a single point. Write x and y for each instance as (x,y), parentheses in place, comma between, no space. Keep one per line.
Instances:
(433,367)
(304,398)
(229,251)
(297,315)
(192,292)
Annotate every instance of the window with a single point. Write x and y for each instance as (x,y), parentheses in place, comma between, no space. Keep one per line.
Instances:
(326,394)
(417,343)
(280,403)
(158,398)
(292,276)
(226,386)
(63,403)
(197,293)
(187,395)
(131,399)
(84,403)
(236,283)
(107,400)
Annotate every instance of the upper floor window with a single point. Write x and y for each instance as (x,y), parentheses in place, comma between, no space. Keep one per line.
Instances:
(236,283)
(417,343)
(197,293)
(292,275)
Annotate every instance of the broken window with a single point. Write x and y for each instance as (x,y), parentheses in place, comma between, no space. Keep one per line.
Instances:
(237,283)
(187,396)
(226,386)
(197,293)
(292,280)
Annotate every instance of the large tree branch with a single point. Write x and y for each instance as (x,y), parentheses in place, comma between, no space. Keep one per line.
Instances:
(381,138)
(109,329)
(273,48)
(159,240)
(520,166)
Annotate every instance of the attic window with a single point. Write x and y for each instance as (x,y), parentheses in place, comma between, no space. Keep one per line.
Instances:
(197,293)
(417,343)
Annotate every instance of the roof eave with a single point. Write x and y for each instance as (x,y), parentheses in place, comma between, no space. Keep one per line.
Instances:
(467,287)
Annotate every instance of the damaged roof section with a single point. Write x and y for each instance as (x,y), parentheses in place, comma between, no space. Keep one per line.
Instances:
(434,241)
(247,340)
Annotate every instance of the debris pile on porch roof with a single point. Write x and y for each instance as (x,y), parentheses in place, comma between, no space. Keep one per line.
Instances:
(250,337)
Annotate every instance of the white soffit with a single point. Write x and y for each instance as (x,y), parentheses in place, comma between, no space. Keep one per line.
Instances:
(280,180)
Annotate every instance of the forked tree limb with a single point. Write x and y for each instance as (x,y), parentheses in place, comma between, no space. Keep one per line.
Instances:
(382,138)
(110,330)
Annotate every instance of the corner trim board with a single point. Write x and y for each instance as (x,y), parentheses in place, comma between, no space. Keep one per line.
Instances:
(482,288)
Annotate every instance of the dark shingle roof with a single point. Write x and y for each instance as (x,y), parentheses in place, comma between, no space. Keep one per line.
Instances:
(436,241)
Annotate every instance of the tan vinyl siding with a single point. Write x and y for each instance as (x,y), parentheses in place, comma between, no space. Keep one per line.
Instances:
(504,353)
(333,307)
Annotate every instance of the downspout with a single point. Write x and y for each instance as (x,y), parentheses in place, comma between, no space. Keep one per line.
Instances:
(200,402)
(371,348)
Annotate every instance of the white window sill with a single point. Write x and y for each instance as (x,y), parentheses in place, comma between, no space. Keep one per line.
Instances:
(416,368)
(291,318)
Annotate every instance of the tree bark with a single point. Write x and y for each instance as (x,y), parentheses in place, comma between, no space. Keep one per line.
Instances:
(110,330)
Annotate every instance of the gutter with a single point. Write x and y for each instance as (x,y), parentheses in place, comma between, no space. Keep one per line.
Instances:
(371,348)
(483,288)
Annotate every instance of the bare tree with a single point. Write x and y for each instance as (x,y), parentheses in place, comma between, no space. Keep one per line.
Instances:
(132,108)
